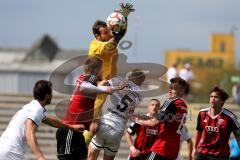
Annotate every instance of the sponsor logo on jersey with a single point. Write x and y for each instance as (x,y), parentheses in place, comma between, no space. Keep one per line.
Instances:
(151,132)
(211,129)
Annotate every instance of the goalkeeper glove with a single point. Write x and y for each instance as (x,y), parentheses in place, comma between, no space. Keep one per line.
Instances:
(125,9)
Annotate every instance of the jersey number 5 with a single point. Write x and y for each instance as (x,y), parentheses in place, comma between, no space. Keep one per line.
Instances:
(125,101)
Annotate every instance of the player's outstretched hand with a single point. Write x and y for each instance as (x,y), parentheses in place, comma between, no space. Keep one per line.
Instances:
(78,127)
(125,9)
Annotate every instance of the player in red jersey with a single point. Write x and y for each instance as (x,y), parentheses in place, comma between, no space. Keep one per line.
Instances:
(71,144)
(170,119)
(214,127)
(145,136)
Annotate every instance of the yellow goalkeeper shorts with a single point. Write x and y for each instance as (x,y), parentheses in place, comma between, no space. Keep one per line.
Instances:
(88,136)
(100,99)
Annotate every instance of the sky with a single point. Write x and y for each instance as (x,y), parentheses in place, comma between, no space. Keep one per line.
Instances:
(155,26)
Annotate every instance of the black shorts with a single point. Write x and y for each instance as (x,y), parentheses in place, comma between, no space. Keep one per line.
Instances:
(141,157)
(155,156)
(70,145)
(201,156)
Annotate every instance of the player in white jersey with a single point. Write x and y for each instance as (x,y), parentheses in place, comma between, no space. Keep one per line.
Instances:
(115,114)
(21,129)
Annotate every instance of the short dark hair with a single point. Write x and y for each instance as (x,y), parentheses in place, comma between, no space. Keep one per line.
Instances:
(92,63)
(222,94)
(179,81)
(41,89)
(97,25)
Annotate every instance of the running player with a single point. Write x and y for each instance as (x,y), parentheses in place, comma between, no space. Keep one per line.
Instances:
(118,107)
(170,119)
(145,136)
(214,127)
(22,127)
(71,144)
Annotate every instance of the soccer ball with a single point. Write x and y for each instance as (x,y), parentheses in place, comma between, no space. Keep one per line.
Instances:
(116,22)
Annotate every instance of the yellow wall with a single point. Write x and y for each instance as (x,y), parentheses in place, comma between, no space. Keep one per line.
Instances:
(208,66)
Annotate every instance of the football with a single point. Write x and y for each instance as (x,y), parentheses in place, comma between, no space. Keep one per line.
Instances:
(116,22)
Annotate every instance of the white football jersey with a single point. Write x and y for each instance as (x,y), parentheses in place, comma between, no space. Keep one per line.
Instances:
(119,105)
(14,137)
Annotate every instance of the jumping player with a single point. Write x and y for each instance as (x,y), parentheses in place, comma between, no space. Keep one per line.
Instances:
(214,127)
(104,46)
(71,144)
(105,43)
(118,107)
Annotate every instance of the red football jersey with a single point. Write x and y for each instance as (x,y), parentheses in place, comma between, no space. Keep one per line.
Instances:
(145,137)
(172,117)
(216,132)
(81,107)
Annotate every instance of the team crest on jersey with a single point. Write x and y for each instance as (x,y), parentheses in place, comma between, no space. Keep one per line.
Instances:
(220,121)
(151,132)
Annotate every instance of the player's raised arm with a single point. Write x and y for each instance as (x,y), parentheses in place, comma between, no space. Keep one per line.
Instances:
(88,88)
(125,10)
(103,87)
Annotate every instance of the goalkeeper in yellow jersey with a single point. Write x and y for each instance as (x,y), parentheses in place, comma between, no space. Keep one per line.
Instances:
(104,46)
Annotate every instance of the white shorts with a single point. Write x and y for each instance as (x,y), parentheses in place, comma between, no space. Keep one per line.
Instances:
(107,138)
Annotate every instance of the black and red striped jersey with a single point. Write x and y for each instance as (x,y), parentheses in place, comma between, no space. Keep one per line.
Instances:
(145,137)
(216,132)
(172,117)
(81,107)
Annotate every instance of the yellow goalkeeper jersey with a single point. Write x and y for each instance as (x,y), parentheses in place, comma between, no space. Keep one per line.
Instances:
(108,53)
